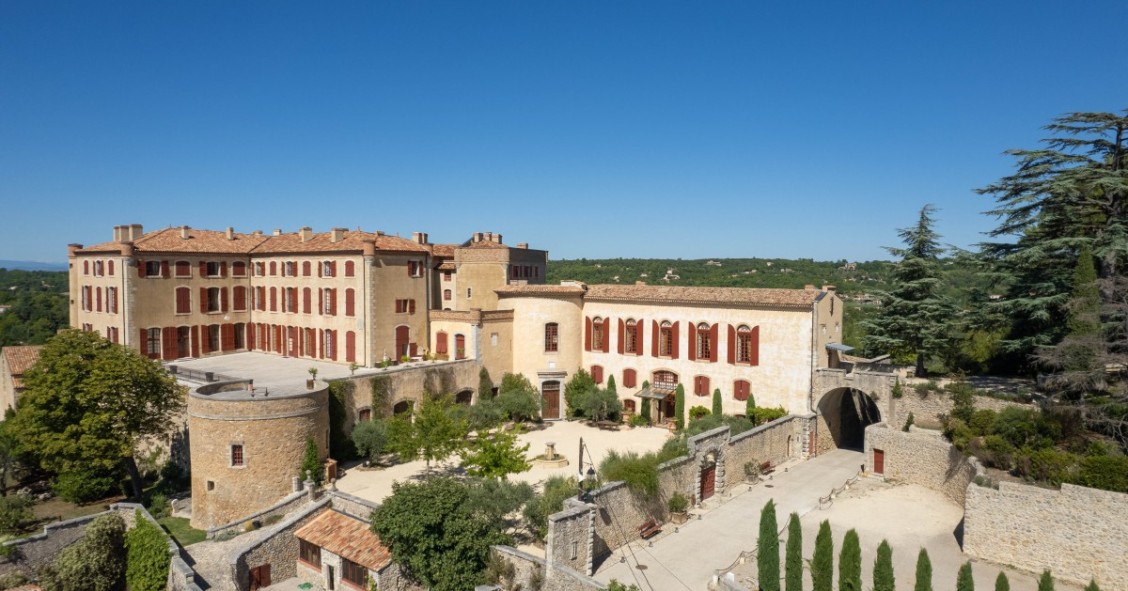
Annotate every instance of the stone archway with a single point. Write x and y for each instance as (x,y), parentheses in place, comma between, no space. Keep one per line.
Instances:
(464,397)
(403,406)
(844,414)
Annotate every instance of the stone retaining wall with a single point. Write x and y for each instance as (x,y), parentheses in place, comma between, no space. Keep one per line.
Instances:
(930,409)
(528,569)
(921,458)
(279,549)
(1076,532)
(257,519)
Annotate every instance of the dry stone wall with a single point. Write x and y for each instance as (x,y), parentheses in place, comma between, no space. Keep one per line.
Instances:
(775,442)
(279,549)
(529,569)
(921,458)
(1078,533)
(928,410)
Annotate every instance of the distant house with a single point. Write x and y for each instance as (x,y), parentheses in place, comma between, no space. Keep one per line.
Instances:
(14,361)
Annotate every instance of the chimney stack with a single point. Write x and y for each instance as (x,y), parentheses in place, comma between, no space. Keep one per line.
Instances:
(305,233)
(419,237)
(119,233)
(477,237)
(230,233)
(184,233)
(256,233)
(523,245)
(828,287)
(277,232)
(337,234)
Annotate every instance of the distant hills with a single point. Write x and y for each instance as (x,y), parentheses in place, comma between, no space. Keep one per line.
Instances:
(31,266)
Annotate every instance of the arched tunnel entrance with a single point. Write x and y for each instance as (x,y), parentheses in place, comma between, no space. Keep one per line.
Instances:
(844,415)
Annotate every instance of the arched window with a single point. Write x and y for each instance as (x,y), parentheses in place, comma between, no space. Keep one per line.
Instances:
(551,337)
(441,343)
(666,339)
(597,336)
(748,345)
(631,337)
(704,341)
(664,380)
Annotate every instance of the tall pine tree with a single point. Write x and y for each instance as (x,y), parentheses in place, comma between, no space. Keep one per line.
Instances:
(915,319)
(767,551)
(964,580)
(883,579)
(1001,582)
(1046,581)
(923,572)
(793,564)
(850,563)
(822,563)
(718,409)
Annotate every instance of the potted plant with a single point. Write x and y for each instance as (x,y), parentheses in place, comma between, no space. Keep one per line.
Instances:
(678,505)
(751,472)
(312,377)
(352,368)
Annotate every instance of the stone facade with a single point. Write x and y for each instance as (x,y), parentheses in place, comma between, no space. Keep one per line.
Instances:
(406,386)
(271,431)
(930,409)
(279,549)
(1076,532)
(921,458)
(535,573)
(571,543)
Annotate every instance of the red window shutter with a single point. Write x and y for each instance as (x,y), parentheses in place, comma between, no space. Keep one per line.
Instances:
(350,296)
(305,269)
(320,268)
(639,343)
(227,337)
(606,335)
(628,378)
(168,343)
(333,270)
(705,386)
(597,374)
(195,341)
(223,269)
(140,268)
(756,346)
(251,336)
(655,333)
(240,298)
(692,353)
(350,269)
(204,350)
(223,299)
(333,306)
(98,299)
(441,343)
(619,345)
(203,269)
(587,334)
(306,297)
(86,267)
(714,341)
(203,299)
(411,306)
(321,301)
(143,342)
(350,346)
(110,267)
(731,344)
(674,334)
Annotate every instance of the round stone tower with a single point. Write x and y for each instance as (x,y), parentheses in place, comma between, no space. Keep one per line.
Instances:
(247,445)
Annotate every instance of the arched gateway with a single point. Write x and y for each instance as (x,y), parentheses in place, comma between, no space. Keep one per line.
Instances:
(843,415)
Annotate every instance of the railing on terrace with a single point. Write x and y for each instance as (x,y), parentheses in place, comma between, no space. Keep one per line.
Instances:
(195,375)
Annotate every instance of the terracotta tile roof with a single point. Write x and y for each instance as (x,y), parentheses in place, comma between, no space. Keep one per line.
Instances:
(443,250)
(531,290)
(20,358)
(447,266)
(740,296)
(348,537)
(351,241)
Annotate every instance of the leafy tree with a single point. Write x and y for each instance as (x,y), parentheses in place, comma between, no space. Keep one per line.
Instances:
(914,319)
(370,438)
(576,391)
(1046,581)
(549,501)
(311,463)
(481,416)
(923,572)
(850,563)
(883,579)
(15,513)
(1001,582)
(500,500)
(88,403)
(602,405)
(964,580)
(822,563)
(762,415)
(717,408)
(750,405)
(340,444)
(485,385)
(435,535)
(793,565)
(679,407)
(644,404)
(435,434)
(767,552)
(94,563)
(495,456)
(1064,196)
(147,557)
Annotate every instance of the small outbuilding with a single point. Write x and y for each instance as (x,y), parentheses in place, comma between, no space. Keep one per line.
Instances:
(336,551)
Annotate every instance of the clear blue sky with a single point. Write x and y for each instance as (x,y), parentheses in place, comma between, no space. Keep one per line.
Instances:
(591,129)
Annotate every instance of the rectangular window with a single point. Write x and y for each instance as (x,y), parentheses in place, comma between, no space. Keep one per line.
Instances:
(328,296)
(183,269)
(238,269)
(309,553)
(260,269)
(551,337)
(326,268)
(405,306)
(364,415)
(446,295)
(213,299)
(153,342)
(665,340)
(415,268)
(183,300)
(213,269)
(111,300)
(353,572)
(327,350)
(469,292)
(630,338)
(237,454)
(448,275)
(289,269)
(152,268)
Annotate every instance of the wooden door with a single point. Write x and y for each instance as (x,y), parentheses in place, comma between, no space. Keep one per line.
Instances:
(879,461)
(403,338)
(708,481)
(550,394)
(260,577)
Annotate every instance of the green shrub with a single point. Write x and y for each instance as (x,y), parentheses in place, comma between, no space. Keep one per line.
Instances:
(576,391)
(767,549)
(1092,586)
(94,563)
(793,561)
(517,399)
(909,420)
(698,412)
(15,513)
(898,390)
(340,445)
(640,472)
(1104,472)
(603,405)
(159,506)
(672,449)
(718,409)
(703,424)
(1046,581)
(677,503)
(983,421)
(84,486)
(762,416)
(485,385)
(147,556)
(1049,465)
(1001,582)
(964,580)
(370,438)
(679,407)
(549,501)
(640,421)
(311,463)
(749,405)
(644,410)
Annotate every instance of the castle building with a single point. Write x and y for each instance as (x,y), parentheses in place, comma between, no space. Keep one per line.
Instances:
(354,297)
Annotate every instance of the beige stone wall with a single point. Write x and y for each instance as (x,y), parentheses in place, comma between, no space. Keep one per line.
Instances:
(390,281)
(921,458)
(782,378)
(776,442)
(273,432)
(529,569)
(569,540)
(480,272)
(530,314)
(1078,533)
(408,383)
(929,410)
(7,387)
(100,321)
(828,326)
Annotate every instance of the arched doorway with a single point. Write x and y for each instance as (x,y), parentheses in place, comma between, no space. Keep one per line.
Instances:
(708,477)
(844,415)
(464,397)
(401,407)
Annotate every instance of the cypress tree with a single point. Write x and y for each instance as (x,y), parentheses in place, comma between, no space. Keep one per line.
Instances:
(923,572)
(964,581)
(679,407)
(767,554)
(1001,582)
(717,409)
(485,385)
(750,405)
(1046,581)
(850,563)
(311,463)
(793,567)
(822,563)
(1092,586)
(645,411)
(883,579)
(611,384)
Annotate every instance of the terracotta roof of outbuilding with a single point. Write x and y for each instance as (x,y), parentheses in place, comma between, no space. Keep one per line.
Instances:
(348,537)
(443,250)
(539,289)
(20,358)
(741,296)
